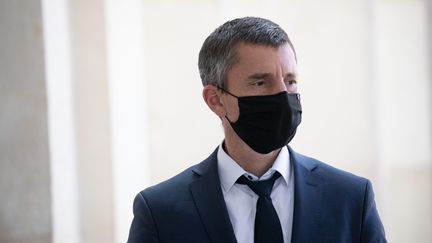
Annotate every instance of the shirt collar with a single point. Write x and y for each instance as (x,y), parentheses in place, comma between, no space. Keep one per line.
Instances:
(230,171)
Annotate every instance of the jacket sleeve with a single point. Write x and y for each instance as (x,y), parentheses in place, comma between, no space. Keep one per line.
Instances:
(372,228)
(143,228)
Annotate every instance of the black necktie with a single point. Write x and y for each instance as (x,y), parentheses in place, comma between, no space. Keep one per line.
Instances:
(267,224)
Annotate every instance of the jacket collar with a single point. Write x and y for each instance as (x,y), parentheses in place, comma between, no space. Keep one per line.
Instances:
(207,194)
(307,198)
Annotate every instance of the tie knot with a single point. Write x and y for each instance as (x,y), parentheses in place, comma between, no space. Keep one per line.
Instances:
(261,188)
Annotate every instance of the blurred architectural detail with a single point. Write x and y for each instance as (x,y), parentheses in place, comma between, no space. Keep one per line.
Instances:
(62,134)
(91,120)
(403,118)
(128,107)
(25,195)
(100,99)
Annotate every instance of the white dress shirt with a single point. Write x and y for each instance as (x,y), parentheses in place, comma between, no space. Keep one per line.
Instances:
(241,200)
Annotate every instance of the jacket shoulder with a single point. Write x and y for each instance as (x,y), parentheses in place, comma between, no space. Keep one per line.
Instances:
(176,186)
(172,188)
(336,178)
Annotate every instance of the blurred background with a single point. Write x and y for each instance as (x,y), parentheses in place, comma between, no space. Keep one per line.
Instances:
(102,98)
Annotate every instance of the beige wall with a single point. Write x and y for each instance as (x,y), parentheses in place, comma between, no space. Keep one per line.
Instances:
(403,118)
(132,113)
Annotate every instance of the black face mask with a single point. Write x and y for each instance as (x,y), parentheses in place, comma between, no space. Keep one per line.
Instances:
(267,122)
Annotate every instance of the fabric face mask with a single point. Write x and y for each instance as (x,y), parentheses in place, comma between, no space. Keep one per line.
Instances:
(269,122)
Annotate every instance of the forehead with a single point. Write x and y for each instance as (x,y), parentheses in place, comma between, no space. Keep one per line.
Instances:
(252,58)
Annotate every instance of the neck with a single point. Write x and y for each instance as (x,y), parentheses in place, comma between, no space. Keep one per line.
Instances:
(251,161)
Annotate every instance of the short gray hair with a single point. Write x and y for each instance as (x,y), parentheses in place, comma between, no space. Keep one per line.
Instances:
(217,54)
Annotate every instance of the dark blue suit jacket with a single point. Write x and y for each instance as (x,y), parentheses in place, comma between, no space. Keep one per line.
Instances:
(330,205)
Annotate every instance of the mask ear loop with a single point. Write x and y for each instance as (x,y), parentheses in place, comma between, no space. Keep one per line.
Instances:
(217,86)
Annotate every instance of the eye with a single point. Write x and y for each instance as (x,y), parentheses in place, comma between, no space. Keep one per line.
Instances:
(291,86)
(291,82)
(259,83)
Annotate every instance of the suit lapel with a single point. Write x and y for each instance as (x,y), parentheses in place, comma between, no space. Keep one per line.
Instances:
(208,198)
(307,199)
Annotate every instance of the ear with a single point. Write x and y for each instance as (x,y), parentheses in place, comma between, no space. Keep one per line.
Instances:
(211,96)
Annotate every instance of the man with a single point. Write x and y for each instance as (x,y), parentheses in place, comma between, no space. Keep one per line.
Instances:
(254,187)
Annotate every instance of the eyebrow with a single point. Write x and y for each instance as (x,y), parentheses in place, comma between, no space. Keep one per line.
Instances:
(257,76)
(290,75)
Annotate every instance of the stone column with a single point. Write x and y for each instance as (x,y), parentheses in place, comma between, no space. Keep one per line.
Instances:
(25,201)
(92,126)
